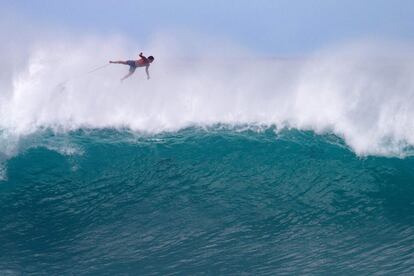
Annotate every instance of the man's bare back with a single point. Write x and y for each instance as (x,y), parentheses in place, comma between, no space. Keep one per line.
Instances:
(133,64)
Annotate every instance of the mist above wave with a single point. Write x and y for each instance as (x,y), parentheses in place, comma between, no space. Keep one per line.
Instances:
(361,92)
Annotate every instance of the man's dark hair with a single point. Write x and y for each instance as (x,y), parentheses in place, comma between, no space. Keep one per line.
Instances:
(151,57)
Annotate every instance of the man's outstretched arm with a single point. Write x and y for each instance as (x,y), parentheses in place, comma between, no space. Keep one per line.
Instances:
(146,71)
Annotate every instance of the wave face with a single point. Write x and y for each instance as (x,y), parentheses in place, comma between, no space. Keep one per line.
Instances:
(361,92)
(218,200)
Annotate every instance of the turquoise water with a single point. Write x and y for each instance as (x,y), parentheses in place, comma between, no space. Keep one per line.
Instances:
(203,201)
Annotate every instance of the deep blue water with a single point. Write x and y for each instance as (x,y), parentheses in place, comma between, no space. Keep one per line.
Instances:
(217,201)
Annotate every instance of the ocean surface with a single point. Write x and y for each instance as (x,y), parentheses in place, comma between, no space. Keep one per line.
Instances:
(204,201)
(213,167)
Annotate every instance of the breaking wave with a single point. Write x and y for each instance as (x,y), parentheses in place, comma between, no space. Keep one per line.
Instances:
(360,92)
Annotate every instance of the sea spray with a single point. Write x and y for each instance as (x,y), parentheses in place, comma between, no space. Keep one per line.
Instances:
(358,91)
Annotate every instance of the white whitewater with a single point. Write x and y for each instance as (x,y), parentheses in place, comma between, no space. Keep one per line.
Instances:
(357,91)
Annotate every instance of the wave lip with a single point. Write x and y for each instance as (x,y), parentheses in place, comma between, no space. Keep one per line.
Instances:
(359,92)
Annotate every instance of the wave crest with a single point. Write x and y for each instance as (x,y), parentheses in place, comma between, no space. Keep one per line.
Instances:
(359,92)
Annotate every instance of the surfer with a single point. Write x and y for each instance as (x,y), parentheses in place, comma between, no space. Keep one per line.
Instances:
(133,64)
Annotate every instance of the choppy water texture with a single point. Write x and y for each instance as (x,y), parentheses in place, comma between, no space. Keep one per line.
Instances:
(215,201)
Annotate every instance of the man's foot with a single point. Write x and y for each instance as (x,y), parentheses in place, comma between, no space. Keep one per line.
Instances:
(111,61)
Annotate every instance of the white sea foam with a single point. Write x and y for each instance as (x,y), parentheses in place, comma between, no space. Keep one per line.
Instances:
(363,92)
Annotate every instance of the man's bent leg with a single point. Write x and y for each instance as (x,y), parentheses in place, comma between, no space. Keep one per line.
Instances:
(127,76)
